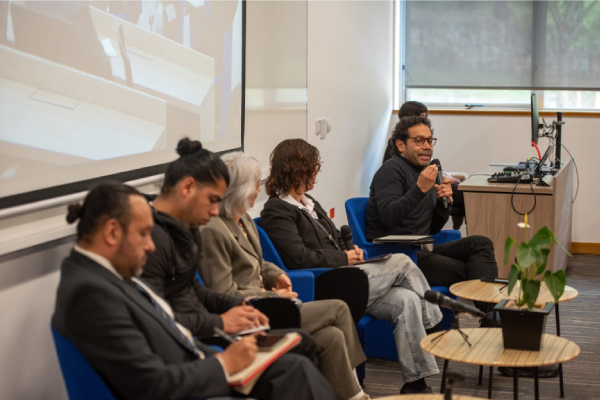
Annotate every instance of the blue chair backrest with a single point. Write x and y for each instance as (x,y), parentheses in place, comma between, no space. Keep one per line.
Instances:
(356,211)
(269,252)
(81,380)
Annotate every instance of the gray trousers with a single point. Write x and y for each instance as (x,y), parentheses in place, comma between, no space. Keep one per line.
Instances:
(396,290)
(338,348)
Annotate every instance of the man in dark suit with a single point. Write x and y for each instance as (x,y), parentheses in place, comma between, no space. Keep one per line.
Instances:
(128,333)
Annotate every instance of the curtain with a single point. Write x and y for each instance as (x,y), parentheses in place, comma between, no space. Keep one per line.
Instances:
(538,45)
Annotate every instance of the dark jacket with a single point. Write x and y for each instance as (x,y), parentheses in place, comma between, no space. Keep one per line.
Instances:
(398,207)
(171,271)
(140,354)
(298,238)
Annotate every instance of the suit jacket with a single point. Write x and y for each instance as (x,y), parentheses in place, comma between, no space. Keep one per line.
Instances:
(140,354)
(232,263)
(298,238)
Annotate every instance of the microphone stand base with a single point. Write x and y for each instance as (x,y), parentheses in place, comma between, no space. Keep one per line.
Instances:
(455,326)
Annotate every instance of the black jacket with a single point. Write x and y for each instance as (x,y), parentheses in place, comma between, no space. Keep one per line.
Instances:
(171,271)
(140,354)
(398,207)
(298,238)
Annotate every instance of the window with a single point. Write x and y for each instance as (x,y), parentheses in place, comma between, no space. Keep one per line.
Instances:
(494,53)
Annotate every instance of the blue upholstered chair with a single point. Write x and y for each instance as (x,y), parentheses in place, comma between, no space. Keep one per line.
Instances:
(303,281)
(81,380)
(379,339)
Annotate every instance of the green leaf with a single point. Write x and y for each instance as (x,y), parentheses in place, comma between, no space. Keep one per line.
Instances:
(508,245)
(525,255)
(541,260)
(530,290)
(512,278)
(556,283)
(543,238)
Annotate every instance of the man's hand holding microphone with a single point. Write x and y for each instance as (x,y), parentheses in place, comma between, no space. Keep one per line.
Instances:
(430,177)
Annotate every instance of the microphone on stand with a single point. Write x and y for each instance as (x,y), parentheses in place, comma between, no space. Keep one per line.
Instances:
(347,237)
(440,178)
(455,306)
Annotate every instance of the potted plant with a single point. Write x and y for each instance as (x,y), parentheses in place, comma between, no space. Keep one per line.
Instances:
(524,319)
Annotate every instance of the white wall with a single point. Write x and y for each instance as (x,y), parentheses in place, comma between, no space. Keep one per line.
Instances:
(276,82)
(470,143)
(28,281)
(349,83)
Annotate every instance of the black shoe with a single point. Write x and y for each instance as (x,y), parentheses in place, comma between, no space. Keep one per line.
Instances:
(546,371)
(488,321)
(409,390)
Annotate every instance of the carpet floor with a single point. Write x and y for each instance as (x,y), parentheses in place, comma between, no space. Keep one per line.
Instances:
(580,322)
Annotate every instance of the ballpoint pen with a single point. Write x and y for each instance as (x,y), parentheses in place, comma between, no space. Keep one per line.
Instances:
(221,333)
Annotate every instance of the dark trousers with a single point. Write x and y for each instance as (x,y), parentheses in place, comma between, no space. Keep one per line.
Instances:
(292,377)
(460,260)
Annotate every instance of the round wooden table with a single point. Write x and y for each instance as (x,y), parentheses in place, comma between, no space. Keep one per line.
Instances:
(427,397)
(487,349)
(494,292)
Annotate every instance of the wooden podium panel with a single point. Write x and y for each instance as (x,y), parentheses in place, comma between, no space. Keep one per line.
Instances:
(489,212)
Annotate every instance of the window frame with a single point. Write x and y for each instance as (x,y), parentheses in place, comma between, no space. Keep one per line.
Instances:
(401,92)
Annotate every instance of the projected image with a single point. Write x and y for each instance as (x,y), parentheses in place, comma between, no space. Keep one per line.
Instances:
(89,89)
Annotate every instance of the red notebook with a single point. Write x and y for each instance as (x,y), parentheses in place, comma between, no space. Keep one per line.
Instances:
(263,360)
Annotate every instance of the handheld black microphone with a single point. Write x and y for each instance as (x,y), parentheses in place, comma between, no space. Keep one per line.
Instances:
(347,237)
(440,178)
(455,306)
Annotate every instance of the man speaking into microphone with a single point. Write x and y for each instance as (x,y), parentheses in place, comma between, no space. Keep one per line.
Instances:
(409,197)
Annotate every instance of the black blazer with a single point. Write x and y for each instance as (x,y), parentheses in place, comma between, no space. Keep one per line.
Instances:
(299,239)
(117,329)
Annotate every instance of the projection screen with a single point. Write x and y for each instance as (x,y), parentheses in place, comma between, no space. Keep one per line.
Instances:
(105,89)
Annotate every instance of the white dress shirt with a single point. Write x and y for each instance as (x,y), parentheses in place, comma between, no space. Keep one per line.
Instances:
(305,204)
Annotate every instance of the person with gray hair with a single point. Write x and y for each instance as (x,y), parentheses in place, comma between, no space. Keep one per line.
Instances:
(233,265)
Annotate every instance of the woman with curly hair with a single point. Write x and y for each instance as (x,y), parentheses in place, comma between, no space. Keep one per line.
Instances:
(306,238)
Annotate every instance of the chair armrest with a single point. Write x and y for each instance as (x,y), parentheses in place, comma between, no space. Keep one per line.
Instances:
(446,236)
(303,283)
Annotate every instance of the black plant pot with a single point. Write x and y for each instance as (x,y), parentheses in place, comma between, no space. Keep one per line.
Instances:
(523,329)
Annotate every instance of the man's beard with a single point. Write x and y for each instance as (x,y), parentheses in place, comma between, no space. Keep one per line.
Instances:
(129,262)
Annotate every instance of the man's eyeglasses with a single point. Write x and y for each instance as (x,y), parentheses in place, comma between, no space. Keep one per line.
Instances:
(420,140)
